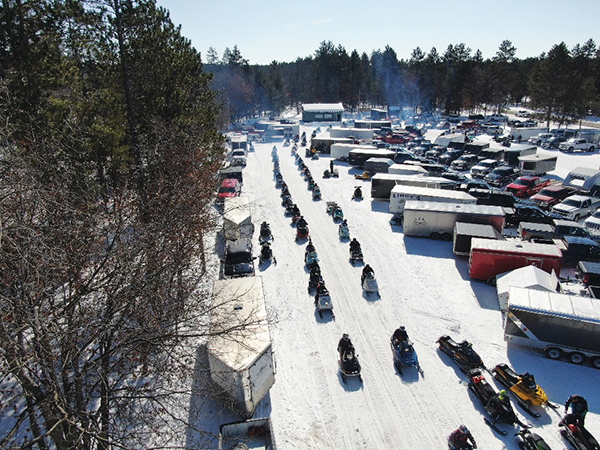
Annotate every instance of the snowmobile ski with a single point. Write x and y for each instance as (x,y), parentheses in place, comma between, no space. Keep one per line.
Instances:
(493,426)
(525,407)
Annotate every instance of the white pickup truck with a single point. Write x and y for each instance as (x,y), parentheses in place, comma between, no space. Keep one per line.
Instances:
(576,144)
(575,207)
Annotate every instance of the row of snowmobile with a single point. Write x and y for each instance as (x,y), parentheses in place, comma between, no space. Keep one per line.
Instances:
(316,283)
(526,392)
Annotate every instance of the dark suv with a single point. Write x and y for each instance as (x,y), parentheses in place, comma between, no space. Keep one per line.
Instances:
(239,261)
(493,197)
(527,213)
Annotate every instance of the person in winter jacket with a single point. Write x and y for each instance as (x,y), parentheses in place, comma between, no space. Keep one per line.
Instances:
(400,335)
(354,245)
(344,345)
(579,406)
(366,271)
(461,439)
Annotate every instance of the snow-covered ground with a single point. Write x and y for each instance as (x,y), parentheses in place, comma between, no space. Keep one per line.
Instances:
(424,287)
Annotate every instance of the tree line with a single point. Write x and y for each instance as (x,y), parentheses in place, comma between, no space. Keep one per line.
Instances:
(564,83)
(109,146)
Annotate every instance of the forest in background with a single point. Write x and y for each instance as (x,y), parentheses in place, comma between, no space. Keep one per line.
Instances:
(563,83)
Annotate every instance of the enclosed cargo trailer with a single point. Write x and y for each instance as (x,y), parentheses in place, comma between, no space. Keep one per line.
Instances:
(240,354)
(560,325)
(489,258)
(400,194)
(465,232)
(383,183)
(237,219)
(437,220)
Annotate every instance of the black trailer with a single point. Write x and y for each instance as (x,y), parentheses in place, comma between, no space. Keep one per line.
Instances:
(465,232)
(357,158)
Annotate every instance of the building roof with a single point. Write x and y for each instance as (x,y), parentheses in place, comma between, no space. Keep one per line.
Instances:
(322,107)
(515,246)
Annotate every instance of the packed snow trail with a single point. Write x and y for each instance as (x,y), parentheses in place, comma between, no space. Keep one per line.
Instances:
(422,285)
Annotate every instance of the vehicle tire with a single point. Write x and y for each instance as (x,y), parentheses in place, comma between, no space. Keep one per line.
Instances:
(553,352)
(596,362)
(576,358)
(492,281)
(570,150)
(446,237)
(592,148)
(576,218)
(435,235)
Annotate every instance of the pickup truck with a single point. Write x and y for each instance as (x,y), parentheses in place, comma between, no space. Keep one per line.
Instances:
(527,186)
(581,145)
(575,207)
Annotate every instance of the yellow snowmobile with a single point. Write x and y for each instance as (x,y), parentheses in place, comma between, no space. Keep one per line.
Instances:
(524,387)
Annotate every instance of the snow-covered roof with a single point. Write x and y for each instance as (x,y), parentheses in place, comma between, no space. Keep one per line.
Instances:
(432,192)
(538,157)
(323,107)
(239,308)
(516,246)
(477,230)
(454,207)
(236,210)
(585,308)
(527,277)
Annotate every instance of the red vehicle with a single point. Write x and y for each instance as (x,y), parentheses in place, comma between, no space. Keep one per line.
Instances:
(527,186)
(469,125)
(551,195)
(230,187)
(397,138)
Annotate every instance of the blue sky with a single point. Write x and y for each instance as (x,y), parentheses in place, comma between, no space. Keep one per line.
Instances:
(267,30)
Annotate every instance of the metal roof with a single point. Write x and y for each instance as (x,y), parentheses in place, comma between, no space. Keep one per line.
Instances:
(323,107)
(516,246)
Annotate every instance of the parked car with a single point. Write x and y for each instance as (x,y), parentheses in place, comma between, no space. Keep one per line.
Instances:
(494,197)
(527,186)
(464,162)
(239,261)
(575,207)
(230,187)
(475,184)
(450,155)
(482,168)
(527,213)
(540,138)
(553,142)
(455,176)
(501,176)
(592,223)
(550,196)
(574,144)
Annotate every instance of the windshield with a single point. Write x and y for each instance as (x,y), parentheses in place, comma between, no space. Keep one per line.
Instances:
(548,193)
(485,164)
(238,258)
(520,182)
(575,203)
(226,190)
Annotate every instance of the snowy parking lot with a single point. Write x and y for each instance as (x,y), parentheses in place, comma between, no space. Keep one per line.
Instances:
(423,286)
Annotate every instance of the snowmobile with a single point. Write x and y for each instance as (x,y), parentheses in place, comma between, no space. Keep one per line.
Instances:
(323,301)
(301,232)
(524,387)
(288,204)
(369,284)
(311,257)
(316,193)
(331,206)
(294,149)
(314,278)
(576,434)
(296,217)
(284,191)
(266,254)
(404,355)
(356,255)
(499,409)
(337,213)
(265,233)
(349,365)
(463,353)
(343,232)
(286,143)
(327,174)
(530,441)
(363,176)
(315,156)
(335,173)
(311,183)
(308,152)
(314,134)
(357,195)
(303,142)
(278,179)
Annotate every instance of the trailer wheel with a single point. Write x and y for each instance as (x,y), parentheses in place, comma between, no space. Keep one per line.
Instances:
(446,237)
(596,362)
(435,235)
(576,357)
(553,352)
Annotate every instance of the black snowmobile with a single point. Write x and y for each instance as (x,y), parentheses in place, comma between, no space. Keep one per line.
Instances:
(524,387)
(530,441)
(497,407)
(356,255)
(577,435)
(266,253)
(357,195)
(314,278)
(463,353)
(265,234)
(349,365)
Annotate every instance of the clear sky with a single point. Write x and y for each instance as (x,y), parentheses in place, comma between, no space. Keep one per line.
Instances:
(283,30)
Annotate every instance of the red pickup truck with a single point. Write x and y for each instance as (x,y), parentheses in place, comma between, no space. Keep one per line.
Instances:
(527,185)
(397,138)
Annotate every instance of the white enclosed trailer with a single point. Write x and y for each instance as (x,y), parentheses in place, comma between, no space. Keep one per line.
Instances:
(537,164)
(559,324)
(401,194)
(407,169)
(342,151)
(237,219)
(240,354)
(356,133)
(437,219)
